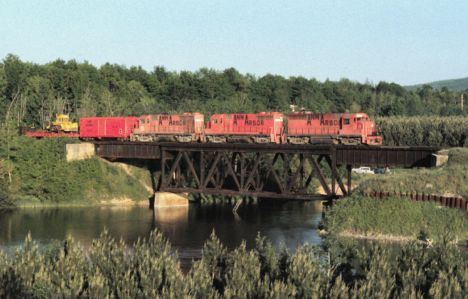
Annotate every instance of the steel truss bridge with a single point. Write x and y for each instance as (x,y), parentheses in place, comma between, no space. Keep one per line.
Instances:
(261,170)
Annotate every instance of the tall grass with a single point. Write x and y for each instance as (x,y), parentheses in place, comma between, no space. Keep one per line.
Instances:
(150,269)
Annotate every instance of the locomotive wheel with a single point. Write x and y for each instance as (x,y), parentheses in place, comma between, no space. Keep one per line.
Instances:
(216,139)
(298,140)
(350,141)
(261,140)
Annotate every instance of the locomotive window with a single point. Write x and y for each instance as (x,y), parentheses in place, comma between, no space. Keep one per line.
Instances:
(346,121)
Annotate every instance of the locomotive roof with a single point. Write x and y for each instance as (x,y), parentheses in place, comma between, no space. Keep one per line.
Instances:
(356,114)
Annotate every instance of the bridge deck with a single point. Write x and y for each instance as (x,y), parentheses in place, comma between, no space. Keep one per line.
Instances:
(378,156)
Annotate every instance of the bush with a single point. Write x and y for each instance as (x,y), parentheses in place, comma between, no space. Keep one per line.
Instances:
(150,269)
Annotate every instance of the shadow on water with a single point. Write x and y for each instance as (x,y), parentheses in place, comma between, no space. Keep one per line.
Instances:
(187,228)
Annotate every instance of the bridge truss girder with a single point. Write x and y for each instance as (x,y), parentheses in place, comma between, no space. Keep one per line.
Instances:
(262,173)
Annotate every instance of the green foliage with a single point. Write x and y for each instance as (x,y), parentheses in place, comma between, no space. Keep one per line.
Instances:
(396,217)
(33,93)
(40,172)
(150,269)
(424,130)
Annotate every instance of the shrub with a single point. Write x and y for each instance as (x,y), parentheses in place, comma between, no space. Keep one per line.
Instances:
(150,269)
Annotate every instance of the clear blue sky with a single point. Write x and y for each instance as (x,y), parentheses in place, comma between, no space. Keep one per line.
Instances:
(403,41)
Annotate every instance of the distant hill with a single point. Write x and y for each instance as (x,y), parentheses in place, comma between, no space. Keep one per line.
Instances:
(453,84)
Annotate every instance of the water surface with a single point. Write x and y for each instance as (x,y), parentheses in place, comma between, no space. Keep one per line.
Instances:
(187,228)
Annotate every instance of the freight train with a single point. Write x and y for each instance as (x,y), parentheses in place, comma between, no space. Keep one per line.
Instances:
(263,127)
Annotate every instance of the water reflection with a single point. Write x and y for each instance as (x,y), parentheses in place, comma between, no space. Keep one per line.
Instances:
(187,228)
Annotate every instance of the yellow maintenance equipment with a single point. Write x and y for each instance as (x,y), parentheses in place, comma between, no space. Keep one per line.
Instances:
(63,124)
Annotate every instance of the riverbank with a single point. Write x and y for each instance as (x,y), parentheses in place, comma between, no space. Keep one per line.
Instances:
(400,219)
(36,174)
(395,220)
(127,202)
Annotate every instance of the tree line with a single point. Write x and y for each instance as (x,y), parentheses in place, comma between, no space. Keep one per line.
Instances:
(31,94)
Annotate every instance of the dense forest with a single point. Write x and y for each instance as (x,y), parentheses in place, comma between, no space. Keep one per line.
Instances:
(30,94)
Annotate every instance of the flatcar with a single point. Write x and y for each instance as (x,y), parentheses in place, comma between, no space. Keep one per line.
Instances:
(107,127)
(185,127)
(343,128)
(263,127)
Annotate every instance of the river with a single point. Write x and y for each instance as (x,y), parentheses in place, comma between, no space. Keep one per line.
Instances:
(187,228)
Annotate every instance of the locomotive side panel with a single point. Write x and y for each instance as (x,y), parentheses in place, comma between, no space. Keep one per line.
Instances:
(264,127)
(308,127)
(184,127)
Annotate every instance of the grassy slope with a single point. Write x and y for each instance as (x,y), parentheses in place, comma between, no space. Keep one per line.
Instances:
(453,84)
(41,174)
(397,217)
(452,178)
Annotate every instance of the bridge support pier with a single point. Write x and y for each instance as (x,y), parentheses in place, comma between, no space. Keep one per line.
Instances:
(170,200)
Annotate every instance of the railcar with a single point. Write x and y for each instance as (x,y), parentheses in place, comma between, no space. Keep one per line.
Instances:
(263,127)
(107,127)
(185,127)
(343,128)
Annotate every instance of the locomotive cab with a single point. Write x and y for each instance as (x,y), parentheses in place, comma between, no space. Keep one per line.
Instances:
(345,128)
(358,128)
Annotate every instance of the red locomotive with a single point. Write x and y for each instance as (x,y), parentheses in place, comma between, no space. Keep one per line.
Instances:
(186,127)
(346,128)
(107,127)
(263,127)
